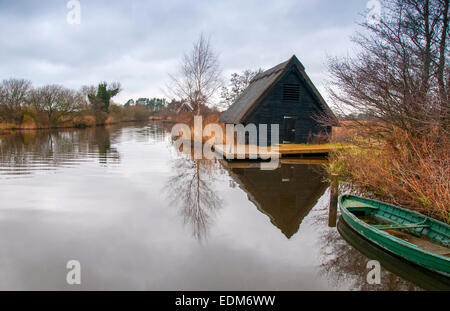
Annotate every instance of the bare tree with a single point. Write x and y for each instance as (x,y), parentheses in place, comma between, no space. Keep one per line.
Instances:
(199,76)
(443,69)
(85,91)
(238,83)
(55,101)
(13,96)
(401,74)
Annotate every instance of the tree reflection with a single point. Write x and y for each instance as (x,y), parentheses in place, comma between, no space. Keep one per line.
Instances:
(102,141)
(23,152)
(190,189)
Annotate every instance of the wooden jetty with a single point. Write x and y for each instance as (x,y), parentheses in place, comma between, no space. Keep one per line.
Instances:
(244,152)
(285,161)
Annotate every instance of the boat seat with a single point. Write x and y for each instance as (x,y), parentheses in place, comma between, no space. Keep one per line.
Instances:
(398,226)
(362,207)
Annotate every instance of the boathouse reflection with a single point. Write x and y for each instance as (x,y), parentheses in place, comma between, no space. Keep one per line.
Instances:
(286,194)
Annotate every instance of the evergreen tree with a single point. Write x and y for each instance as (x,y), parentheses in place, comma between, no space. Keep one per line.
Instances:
(101,100)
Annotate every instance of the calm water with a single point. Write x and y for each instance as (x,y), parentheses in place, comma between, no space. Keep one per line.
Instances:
(139,215)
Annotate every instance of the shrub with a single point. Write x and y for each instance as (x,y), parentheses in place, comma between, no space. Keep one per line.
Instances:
(412,172)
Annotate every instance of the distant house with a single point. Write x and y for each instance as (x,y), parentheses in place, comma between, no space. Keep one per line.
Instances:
(286,96)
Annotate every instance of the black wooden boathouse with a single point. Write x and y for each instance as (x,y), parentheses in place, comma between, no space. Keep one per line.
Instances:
(286,96)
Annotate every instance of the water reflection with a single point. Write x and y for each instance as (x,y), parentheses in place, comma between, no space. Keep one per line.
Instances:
(118,201)
(393,264)
(286,194)
(103,142)
(155,132)
(341,262)
(189,188)
(25,152)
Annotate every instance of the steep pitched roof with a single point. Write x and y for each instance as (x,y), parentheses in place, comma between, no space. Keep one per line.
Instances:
(261,84)
(285,203)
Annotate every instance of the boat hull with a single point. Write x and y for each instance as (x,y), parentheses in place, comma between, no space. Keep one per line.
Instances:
(407,270)
(410,252)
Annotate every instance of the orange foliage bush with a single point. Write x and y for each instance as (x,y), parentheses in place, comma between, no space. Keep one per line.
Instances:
(412,172)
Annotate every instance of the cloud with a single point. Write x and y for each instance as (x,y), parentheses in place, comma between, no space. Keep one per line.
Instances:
(140,42)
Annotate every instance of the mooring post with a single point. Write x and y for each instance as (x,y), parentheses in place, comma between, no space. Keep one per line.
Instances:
(334,193)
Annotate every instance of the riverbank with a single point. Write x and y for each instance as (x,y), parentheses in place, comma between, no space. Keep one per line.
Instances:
(7,128)
(80,122)
(412,172)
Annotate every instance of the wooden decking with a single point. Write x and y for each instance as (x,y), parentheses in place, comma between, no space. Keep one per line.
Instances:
(254,152)
(257,164)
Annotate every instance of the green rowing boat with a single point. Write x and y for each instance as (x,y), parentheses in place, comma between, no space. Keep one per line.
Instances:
(410,235)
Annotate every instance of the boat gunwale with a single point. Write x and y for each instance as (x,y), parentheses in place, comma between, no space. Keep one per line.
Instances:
(385,234)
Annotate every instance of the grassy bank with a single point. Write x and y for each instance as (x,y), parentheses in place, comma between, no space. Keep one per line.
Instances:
(80,119)
(412,172)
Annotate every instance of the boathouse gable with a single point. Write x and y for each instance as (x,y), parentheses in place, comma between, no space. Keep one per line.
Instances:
(282,95)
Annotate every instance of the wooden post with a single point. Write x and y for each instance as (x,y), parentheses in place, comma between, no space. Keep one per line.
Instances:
(334,193)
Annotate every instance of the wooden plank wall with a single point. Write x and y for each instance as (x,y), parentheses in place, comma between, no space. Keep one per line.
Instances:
(272,109)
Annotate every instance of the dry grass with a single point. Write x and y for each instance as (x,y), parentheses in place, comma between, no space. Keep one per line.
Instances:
(410,172)
(81,119)
(188,118)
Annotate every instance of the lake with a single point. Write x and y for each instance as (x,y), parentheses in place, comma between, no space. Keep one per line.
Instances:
(140,215)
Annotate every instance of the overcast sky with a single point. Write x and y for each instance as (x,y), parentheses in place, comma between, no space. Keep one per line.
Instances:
(138,43)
